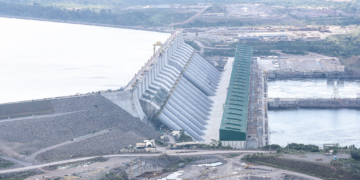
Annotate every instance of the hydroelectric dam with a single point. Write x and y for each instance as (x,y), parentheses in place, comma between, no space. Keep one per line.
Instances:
(175,89)
(181,90)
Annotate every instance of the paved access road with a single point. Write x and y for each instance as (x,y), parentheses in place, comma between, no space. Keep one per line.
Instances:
(169,152)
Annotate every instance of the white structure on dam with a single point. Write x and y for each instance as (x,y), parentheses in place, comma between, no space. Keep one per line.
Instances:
(173,87)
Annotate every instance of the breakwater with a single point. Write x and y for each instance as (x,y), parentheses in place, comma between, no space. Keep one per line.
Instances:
(275,103)
(311,74)
(299,74)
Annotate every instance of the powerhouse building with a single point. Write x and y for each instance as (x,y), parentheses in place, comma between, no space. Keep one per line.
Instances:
(233,129)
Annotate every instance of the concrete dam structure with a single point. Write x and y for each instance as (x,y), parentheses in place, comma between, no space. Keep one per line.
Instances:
(182,90)
(174,87)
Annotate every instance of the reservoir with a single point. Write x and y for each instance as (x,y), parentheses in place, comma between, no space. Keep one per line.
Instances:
(42,59)
(314,126)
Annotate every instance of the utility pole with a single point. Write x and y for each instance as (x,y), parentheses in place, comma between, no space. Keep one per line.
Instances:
(288,147)
(131,173)
(335,94)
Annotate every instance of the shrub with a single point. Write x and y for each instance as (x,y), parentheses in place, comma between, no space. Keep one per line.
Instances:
(355,154)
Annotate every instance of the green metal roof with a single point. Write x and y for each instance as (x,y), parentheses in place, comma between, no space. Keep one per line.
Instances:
(235,115)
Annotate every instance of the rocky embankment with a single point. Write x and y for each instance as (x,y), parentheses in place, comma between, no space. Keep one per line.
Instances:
(77,117)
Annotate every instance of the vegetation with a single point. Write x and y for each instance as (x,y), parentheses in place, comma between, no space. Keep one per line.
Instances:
(216,8)
(349,165)
(347,47)
(222,52)
(159,143)
(193,44)
(343,46)
(231,155)
(355,154)
(305,148)
(171,163)
(199,23)
(292,146)
(314,169)
(115,176)
(264,53)
(294,52)
(144,17)
(332,20)
(329,19)
(183,137)
(352,6)
(5,163)
(336,46)
(112,12)
(272,147)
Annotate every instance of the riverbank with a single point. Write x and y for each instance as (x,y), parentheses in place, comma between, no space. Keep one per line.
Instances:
(87,23)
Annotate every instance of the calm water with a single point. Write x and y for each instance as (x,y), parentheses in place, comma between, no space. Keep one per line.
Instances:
(314,126)
(312,88)
(45,59)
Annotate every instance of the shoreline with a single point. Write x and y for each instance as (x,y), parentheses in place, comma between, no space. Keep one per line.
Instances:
(83,23)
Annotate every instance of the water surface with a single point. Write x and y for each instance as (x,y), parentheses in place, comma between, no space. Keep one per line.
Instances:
(315,126)
(41,59)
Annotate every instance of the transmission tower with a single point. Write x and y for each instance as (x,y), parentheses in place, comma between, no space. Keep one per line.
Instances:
(335,94)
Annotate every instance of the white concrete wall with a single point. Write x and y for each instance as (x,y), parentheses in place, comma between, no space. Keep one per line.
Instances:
(234,144)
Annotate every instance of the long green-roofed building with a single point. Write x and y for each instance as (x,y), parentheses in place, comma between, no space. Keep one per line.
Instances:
(233,127)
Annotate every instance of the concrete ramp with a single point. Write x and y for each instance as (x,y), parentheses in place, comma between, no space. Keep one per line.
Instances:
(123,99)
(128,101)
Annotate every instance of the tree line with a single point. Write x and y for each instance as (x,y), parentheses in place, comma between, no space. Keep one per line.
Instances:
(148,17)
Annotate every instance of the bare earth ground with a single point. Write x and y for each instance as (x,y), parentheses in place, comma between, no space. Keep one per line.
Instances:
(232,168)
(316,157)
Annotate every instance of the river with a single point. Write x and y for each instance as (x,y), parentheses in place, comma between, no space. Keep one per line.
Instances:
(314,126)
(40,59)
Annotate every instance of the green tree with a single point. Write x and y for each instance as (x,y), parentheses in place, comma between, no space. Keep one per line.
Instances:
(335,151)
(355,154)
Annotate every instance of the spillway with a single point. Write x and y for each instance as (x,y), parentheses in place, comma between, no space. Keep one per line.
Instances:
(181,90)
(173,87)
(177,89)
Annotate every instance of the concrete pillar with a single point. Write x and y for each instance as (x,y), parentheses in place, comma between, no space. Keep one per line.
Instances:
(147,83)
(143,87)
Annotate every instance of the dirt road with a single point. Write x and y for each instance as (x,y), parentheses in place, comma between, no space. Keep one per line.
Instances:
(169,152)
